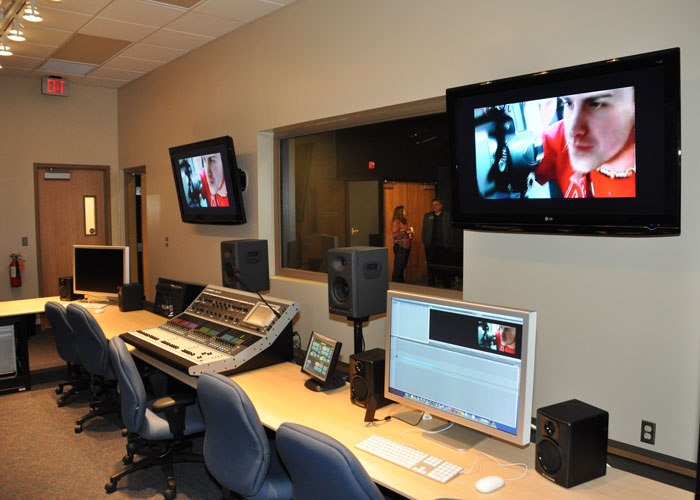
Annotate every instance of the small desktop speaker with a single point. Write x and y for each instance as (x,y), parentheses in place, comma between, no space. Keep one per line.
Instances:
(367,377)
(130,297)
(65,289)
(244,265)
(358,278)
(173,297)
(571,442)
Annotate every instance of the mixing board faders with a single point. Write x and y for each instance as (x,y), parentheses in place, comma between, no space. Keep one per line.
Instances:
(223,330)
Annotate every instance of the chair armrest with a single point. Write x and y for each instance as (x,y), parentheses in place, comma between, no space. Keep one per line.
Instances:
(162,404)
(174,408)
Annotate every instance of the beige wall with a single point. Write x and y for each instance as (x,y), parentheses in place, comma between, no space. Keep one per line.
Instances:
(35,128)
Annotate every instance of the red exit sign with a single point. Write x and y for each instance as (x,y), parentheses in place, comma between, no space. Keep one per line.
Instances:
(54,85)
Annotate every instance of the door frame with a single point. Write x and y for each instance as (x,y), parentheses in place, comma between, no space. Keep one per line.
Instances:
(68,167)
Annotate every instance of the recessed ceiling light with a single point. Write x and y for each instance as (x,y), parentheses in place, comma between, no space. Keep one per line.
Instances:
(66,67)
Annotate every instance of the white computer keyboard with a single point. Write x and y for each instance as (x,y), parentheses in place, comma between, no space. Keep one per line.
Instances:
(410,458)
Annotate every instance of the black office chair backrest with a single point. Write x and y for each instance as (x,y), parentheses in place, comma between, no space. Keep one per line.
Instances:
(92,343)
(322,467)
(66,341)
(236,448)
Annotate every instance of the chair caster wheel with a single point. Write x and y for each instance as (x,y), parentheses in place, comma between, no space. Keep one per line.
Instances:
(111,487)
(78,429)
(127,460)
(61,403)
(59,390)
(170,494)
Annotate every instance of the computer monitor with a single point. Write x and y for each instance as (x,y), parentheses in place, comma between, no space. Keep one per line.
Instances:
(320,362)
(465,363)
(98,270)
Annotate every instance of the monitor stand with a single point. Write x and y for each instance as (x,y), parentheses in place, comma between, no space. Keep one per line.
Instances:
(452,435)
(332,383)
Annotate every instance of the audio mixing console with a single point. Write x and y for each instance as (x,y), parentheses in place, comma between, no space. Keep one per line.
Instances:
(223,331)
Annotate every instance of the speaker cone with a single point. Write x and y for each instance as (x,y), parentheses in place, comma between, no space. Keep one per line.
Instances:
(341,289)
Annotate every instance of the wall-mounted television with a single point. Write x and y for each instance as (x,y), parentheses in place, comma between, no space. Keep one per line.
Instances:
(589,149)
(207,182)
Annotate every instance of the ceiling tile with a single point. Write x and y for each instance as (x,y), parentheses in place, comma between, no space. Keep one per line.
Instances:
(204,24)
(121,30)
(132,64)
(153,52)
(240,10)
(116,74)
(62,19)
(90,7)
(10,71)
(177,39)
(136,11)
(45,36)
(103,82)
(22,62)
(89,49)
(31,49)
(176,3)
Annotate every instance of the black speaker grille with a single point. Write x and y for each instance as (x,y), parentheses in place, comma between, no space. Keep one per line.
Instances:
(549,456)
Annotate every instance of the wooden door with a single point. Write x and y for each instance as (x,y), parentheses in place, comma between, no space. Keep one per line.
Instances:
(60,192)
(363,211)
(416,197)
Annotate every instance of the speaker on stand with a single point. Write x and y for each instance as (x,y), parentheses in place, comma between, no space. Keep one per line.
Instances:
(367,378)
(358,279)
(244,265)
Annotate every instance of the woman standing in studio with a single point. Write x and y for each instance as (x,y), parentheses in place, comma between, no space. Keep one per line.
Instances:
(402,236)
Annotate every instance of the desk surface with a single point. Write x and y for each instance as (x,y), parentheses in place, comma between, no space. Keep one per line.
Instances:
(279,395)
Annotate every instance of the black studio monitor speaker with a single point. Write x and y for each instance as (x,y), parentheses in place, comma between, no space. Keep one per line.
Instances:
(65,289)
(571,442)
(367,377)
(173,297)
(130,297)
(244,265)
(358,278)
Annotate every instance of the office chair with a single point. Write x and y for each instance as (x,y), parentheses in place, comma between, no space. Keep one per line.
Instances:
(321,467)
(156,428)
(237,452)
(67,347)
(94,356)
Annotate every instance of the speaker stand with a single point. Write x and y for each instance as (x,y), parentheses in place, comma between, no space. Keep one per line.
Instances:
(357,329)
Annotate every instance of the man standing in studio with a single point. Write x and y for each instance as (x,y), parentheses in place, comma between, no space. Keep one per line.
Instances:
(436,235)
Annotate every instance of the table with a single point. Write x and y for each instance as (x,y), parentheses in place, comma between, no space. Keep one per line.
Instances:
(279,395)
(21,313)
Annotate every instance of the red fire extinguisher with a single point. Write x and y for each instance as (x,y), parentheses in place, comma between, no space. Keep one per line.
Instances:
(15,275)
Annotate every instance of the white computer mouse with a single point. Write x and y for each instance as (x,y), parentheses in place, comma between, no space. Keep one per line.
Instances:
(98,311)
(489,483)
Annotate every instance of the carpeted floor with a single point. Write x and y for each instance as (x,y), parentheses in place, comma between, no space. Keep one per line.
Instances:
(42,456)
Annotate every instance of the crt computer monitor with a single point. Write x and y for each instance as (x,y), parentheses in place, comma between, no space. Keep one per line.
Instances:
(469,364)
(98,270)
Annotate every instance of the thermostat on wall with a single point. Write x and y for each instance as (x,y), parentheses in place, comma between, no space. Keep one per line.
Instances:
(54,85)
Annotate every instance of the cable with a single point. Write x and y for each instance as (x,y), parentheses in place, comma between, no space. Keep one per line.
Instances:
(480,453)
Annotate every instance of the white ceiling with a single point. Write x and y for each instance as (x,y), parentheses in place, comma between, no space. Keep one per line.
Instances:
(154,33)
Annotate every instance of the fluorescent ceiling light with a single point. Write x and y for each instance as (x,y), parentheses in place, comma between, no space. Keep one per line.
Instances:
(68,68)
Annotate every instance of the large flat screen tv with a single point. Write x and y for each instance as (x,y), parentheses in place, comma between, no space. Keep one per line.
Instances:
(590,149)
(207,182)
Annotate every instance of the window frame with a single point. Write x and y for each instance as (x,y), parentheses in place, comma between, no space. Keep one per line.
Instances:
(423,107)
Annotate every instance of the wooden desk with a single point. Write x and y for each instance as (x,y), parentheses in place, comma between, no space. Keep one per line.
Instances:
(279,395)
(21,313)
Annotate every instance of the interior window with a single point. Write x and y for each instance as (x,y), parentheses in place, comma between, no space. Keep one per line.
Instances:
(346,186)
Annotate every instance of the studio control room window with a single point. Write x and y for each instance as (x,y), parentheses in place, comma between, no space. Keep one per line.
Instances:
(341,187)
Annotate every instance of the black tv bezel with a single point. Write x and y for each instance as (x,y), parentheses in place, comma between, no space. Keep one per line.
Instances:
(598,216)
(234,214)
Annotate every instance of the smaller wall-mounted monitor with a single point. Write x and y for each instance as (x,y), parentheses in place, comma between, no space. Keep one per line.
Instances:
(207,181)
(98,271)
(320,362)
(591,149)
(461,362)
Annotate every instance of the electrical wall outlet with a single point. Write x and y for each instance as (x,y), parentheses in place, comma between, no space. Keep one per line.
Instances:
(648,432)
